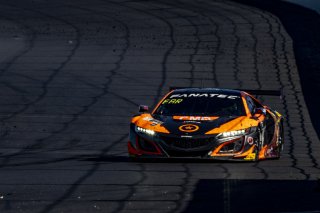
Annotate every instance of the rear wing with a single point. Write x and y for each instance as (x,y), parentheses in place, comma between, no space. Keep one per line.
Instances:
(250,91)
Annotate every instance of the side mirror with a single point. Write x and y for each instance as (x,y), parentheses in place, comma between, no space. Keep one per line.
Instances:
(143,108)
(261,110)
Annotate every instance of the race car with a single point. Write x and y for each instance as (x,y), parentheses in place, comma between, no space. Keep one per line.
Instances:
(208,123)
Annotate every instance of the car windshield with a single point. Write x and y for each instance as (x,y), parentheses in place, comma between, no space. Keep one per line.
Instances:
(201,104)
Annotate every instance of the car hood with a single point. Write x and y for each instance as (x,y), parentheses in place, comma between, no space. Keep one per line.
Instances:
(187,125)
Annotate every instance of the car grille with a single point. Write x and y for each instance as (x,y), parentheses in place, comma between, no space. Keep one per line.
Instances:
(188,143)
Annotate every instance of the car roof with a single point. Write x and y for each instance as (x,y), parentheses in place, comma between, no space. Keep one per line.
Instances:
(207,90)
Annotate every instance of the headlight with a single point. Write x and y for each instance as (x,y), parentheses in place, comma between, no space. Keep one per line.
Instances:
(236,133)
(145,131)
(233,133)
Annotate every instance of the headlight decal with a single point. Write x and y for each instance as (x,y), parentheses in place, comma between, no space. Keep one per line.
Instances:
(145,131)
(233,133)
(236,133)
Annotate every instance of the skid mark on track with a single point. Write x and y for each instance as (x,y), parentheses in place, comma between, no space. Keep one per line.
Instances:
(215,34)
(81,179)
(235,49)
(167,53)
(95,99)
(28,47)
(211,22)
(55,71)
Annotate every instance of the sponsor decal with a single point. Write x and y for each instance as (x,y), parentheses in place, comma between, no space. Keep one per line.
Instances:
(188,128)
(195,118)
(250,140)
(278,114)
(204,95)
(172,101)
(251,156)
(153,121)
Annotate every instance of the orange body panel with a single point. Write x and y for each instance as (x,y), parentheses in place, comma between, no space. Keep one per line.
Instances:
(239,123)
(147,122)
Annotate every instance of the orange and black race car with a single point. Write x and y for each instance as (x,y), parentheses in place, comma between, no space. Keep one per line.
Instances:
(208,123)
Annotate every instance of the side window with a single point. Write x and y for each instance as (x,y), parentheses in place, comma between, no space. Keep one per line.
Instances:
(251,104)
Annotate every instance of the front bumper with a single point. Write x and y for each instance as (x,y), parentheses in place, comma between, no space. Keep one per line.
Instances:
(200,147)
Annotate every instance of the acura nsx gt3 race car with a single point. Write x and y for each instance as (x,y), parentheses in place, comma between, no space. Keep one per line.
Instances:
(208,123)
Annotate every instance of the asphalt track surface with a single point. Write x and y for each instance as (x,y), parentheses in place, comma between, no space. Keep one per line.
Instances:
(72,73)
